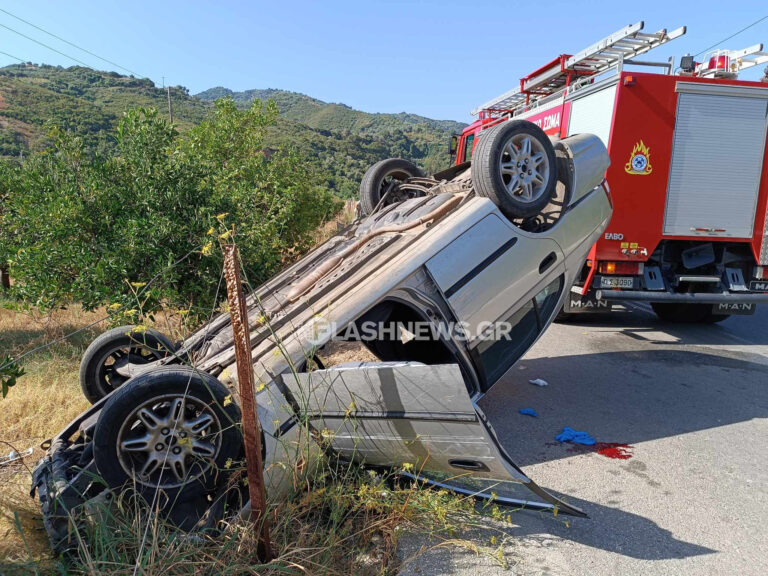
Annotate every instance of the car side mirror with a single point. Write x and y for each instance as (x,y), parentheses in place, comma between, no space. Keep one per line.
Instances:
(454,145)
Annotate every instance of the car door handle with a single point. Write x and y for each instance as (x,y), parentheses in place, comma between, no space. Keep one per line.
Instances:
(550,259)
(468,464)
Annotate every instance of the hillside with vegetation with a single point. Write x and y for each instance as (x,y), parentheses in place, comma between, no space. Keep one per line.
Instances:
(339,142)
(329,116)
(88,102)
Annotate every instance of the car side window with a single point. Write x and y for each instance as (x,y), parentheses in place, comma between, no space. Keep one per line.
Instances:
(496,356)
(468,143)
(547,299)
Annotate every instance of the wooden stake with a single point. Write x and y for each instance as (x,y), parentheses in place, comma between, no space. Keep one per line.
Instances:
(251,428)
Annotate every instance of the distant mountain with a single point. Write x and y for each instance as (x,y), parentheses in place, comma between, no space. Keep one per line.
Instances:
(327,116)
(87,101)
(341,143)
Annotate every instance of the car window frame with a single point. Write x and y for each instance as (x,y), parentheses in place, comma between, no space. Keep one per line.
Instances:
(542,320)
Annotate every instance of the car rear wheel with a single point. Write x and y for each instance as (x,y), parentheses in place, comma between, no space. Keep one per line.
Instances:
(513,165)
(175,430)
(687,313)
(105,363)
(381,180)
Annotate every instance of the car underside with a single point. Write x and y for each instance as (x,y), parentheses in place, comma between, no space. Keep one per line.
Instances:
(386,336)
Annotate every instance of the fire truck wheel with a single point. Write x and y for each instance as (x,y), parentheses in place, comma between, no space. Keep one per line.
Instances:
(381,179)
(513,165)
(686,313)
(173,429)
(115,349)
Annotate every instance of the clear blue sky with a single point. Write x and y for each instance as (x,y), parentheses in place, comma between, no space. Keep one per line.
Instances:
(436,58)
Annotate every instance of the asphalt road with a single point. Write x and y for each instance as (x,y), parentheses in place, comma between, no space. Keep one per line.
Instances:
(691,401)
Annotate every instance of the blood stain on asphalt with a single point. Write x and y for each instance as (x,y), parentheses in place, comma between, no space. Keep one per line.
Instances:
(613,450)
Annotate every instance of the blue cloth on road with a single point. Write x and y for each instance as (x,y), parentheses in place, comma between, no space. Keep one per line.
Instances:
(528,412)
(571,435)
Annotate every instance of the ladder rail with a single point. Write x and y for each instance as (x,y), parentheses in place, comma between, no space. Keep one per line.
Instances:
(610,52)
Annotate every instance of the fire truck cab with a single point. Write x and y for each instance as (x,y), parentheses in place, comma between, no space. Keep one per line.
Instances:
(689,232)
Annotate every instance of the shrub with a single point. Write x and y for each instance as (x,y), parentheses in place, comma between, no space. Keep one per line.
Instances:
(78,226)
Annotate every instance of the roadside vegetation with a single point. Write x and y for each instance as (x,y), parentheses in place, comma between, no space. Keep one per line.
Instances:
(129,232)
(338,142)
(79,226)
(337,519)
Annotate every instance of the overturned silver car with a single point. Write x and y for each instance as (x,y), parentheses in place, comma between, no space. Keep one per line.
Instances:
(440,288)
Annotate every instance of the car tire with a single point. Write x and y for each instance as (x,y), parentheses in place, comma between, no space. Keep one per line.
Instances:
(514,166)
(153,415)
(685,313)
(98,379)
(378,177)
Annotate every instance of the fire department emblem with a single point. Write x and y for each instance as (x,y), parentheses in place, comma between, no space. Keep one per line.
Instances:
(639,160)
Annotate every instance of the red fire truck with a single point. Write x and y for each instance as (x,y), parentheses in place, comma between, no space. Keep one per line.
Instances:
(689,232)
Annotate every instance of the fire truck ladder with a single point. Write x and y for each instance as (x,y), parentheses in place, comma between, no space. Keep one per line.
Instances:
(608,53)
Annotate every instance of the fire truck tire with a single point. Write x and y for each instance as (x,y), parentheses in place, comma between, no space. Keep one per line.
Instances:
(514,166)
(686,313)
(378,178)
(98,367)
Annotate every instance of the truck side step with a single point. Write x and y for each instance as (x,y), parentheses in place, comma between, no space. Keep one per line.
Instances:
(690,298)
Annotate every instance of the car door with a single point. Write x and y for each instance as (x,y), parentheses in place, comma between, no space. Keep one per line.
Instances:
(489,277)
(395,414)
(492,267)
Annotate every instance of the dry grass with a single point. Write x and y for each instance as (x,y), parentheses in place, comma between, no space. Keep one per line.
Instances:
(344,218)
(338,520)
(43,401)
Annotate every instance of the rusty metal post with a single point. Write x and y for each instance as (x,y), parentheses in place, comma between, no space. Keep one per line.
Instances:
(251,428)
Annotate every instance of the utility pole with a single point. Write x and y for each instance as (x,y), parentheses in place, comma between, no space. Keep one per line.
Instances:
(170,108)
(251,429)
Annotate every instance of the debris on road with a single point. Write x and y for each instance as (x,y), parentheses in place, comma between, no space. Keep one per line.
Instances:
(574,436)
(529,412)
(538,382)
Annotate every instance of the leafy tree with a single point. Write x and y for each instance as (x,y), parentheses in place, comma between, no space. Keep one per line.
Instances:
(141,224)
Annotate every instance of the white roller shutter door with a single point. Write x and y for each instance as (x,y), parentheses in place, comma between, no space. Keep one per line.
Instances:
(717,161)
(593,113)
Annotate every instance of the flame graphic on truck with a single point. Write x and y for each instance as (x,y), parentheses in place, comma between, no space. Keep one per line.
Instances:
(639,160)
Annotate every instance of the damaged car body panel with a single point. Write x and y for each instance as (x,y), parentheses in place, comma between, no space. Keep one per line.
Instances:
(448,257)
(418,415)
